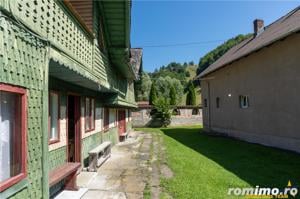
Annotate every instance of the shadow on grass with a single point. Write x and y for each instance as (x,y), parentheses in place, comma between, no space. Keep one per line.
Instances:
(255,164)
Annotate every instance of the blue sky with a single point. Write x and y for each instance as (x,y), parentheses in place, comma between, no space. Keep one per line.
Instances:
(176,22)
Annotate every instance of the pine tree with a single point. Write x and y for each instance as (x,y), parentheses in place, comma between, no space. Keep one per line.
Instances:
(172,96)
(152,94)
(191,95)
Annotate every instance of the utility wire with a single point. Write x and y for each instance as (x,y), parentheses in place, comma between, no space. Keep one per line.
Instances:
(181,44)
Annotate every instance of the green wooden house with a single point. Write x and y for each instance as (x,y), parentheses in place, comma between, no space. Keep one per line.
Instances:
(66,85)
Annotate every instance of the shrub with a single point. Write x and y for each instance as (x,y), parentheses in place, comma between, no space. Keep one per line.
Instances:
(162,111)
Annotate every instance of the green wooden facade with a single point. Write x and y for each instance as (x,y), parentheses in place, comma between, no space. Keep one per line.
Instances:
(44,46)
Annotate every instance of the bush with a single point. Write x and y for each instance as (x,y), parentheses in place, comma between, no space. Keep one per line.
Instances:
(162,111)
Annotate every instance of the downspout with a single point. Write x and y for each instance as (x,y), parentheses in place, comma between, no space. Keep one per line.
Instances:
(209,107)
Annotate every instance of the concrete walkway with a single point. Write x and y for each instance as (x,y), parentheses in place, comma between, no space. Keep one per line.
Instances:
(131,170)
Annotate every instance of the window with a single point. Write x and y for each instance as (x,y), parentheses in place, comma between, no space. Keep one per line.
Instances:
(106,118)
(13,135)
(218,102)
(205,102)
(244,101)
(89,114)
(53,117)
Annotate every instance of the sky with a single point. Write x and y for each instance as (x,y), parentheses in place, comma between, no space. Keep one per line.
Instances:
(155,24)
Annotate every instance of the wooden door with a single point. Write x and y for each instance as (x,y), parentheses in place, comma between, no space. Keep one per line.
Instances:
(121,121)
(74,133)
(77,130)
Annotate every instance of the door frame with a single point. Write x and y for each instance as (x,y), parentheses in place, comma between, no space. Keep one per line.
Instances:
(124,112)
(77,137)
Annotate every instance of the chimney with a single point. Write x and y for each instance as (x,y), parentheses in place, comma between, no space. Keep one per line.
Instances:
(258,26)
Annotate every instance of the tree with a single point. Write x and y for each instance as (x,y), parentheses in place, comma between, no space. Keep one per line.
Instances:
(162,111)
(173,70)
(191,63)
(153,94)
(187,74)
(215,54)
(191,95)
(142,87)
(145,87)
(164,85)
(173,99)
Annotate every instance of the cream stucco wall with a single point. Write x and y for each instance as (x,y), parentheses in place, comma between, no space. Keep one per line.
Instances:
(62,130)
(271,79)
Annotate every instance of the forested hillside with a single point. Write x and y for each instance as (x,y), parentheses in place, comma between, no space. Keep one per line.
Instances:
(175,75)
(174,70)
(215,54)
(181,77)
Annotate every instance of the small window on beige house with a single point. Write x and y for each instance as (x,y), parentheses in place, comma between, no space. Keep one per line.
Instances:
(205,102)
(244,101)
(218,102)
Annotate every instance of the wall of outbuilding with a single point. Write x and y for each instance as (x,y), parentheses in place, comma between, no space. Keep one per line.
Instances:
(271,79)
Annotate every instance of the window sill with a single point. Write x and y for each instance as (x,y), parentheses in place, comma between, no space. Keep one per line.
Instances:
(14,189)
(88,131)
(107,129)
(12,184)
(244,107)
(53,141)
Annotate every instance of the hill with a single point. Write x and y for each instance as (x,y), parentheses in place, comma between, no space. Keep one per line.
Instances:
(183,72)
(173,70)
(215,54)
(192,70)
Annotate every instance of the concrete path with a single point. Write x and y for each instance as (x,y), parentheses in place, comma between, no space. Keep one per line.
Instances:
(131,171)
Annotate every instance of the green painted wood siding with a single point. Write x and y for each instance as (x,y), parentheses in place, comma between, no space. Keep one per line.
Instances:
(52,21)
(57,157)
(23,63)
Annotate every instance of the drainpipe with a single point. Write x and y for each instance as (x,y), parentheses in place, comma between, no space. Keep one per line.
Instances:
(209,107)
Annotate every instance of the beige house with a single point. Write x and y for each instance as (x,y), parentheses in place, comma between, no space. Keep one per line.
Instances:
(253,91)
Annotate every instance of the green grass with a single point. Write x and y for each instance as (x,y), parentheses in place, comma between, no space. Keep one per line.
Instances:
(206,166)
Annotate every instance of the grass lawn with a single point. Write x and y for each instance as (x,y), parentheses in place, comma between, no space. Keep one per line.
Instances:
(206,166)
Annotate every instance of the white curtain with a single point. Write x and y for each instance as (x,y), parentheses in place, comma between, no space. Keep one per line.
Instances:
(87,114)
(54,116)
(7,114)
(112,117)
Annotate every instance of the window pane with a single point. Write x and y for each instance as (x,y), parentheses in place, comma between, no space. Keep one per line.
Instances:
(53,116)
(10,140)
(87,114)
